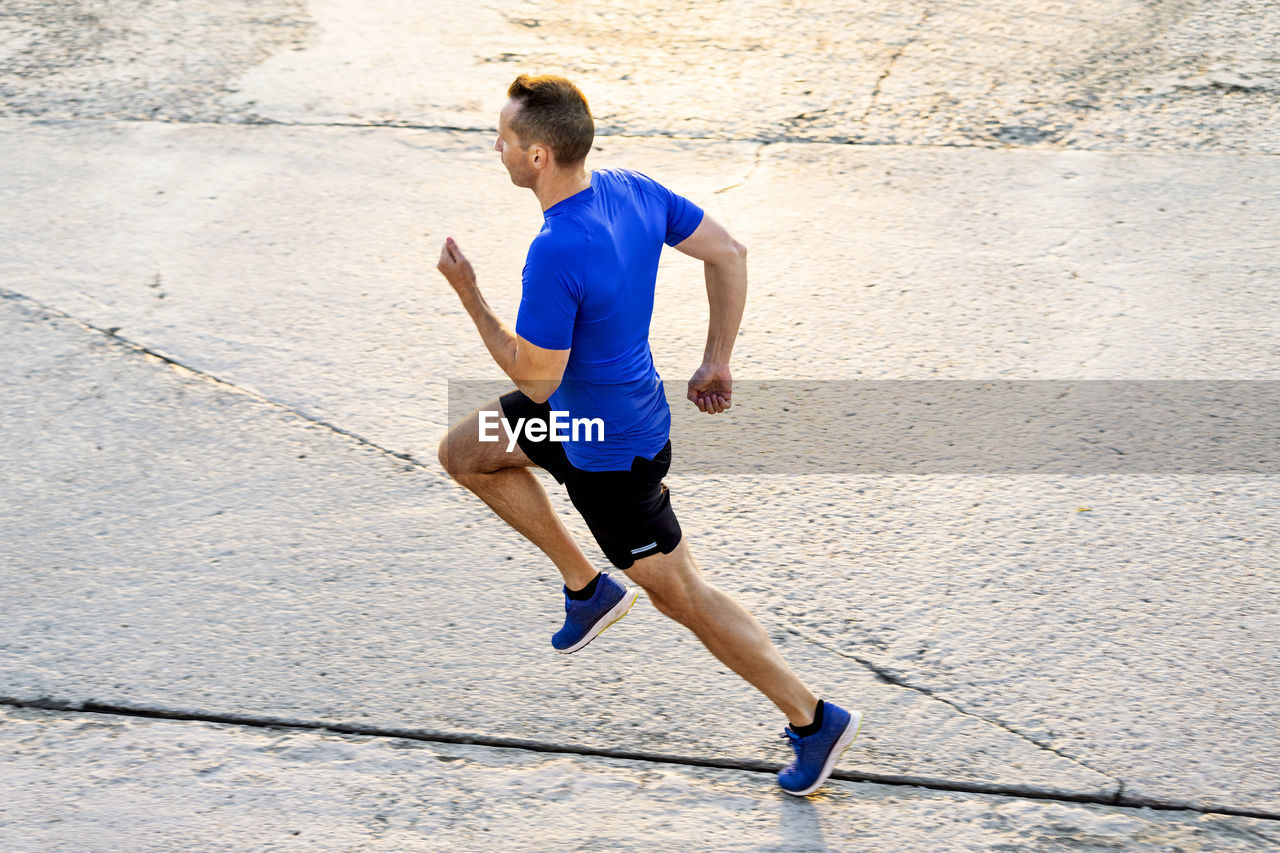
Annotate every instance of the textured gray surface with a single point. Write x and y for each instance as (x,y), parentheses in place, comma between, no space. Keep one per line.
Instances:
(166,60)
(205,545)
(262,565)
(298,262)
(143,786)
(1101,74)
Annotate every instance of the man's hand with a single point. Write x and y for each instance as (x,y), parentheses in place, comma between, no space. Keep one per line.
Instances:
(711,388)
(455,267)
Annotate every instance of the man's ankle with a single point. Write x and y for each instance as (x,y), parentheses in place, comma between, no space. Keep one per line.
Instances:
(813,727)
(585,592)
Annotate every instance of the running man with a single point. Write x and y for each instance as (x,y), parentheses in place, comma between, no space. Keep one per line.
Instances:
(581,347)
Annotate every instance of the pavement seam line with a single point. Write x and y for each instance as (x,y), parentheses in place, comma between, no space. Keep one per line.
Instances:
(498,742)
(606,133)
(112,334)
(889,678)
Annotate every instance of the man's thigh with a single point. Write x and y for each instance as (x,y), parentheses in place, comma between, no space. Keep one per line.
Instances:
(462,451)
(628,512)
(518,412)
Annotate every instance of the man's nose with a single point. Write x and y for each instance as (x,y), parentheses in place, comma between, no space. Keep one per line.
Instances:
(497,145)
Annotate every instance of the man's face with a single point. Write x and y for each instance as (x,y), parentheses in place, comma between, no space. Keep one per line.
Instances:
(514,157)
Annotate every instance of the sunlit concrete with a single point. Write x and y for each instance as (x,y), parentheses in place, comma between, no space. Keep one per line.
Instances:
(1103,74)
(157,786)
(217,553)
(1082,193)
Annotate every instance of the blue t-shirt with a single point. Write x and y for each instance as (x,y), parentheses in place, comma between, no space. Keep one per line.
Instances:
(588,287)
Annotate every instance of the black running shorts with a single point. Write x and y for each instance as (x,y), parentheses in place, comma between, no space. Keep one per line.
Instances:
(628,512)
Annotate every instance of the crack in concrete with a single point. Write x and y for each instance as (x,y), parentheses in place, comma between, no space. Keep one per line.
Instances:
(1054,248)
(1250,831)
(750,172)
(888,68)
(889,678)
(37,434)
(112,333)
(497,742)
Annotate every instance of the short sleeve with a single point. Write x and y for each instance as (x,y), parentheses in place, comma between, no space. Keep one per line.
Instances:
(550,294)
(683,216)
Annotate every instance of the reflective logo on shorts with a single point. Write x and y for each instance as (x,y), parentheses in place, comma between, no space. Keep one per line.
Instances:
(644,548)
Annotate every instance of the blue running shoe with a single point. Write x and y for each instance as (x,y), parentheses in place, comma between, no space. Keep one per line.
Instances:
(585,620)
(816,755)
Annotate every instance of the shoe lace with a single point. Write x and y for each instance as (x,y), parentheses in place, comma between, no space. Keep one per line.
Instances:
(793,738)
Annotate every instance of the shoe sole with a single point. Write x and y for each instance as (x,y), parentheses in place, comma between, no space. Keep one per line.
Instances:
(842,743)
(615,613)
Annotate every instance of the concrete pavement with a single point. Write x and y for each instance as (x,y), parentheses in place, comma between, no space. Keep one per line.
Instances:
(213,787)
(256,529)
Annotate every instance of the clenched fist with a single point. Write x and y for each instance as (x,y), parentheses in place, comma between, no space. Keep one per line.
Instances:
(455,267)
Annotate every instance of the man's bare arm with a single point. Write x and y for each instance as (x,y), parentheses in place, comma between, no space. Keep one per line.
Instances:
(536,371)
(725,267)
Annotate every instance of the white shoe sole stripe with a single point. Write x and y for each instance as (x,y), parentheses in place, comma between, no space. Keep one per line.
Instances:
(842,743)
(613,615)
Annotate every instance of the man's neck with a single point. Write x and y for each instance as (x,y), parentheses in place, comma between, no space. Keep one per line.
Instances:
(559,186)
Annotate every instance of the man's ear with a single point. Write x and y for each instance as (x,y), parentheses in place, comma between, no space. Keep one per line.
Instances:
(539,156)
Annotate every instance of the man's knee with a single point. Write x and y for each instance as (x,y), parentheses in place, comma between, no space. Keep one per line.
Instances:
(674,593)
(442,453)
(672,604)
(453,456)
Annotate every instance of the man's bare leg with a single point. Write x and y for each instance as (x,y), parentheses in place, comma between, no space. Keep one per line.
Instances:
(503,481)
(728,630)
